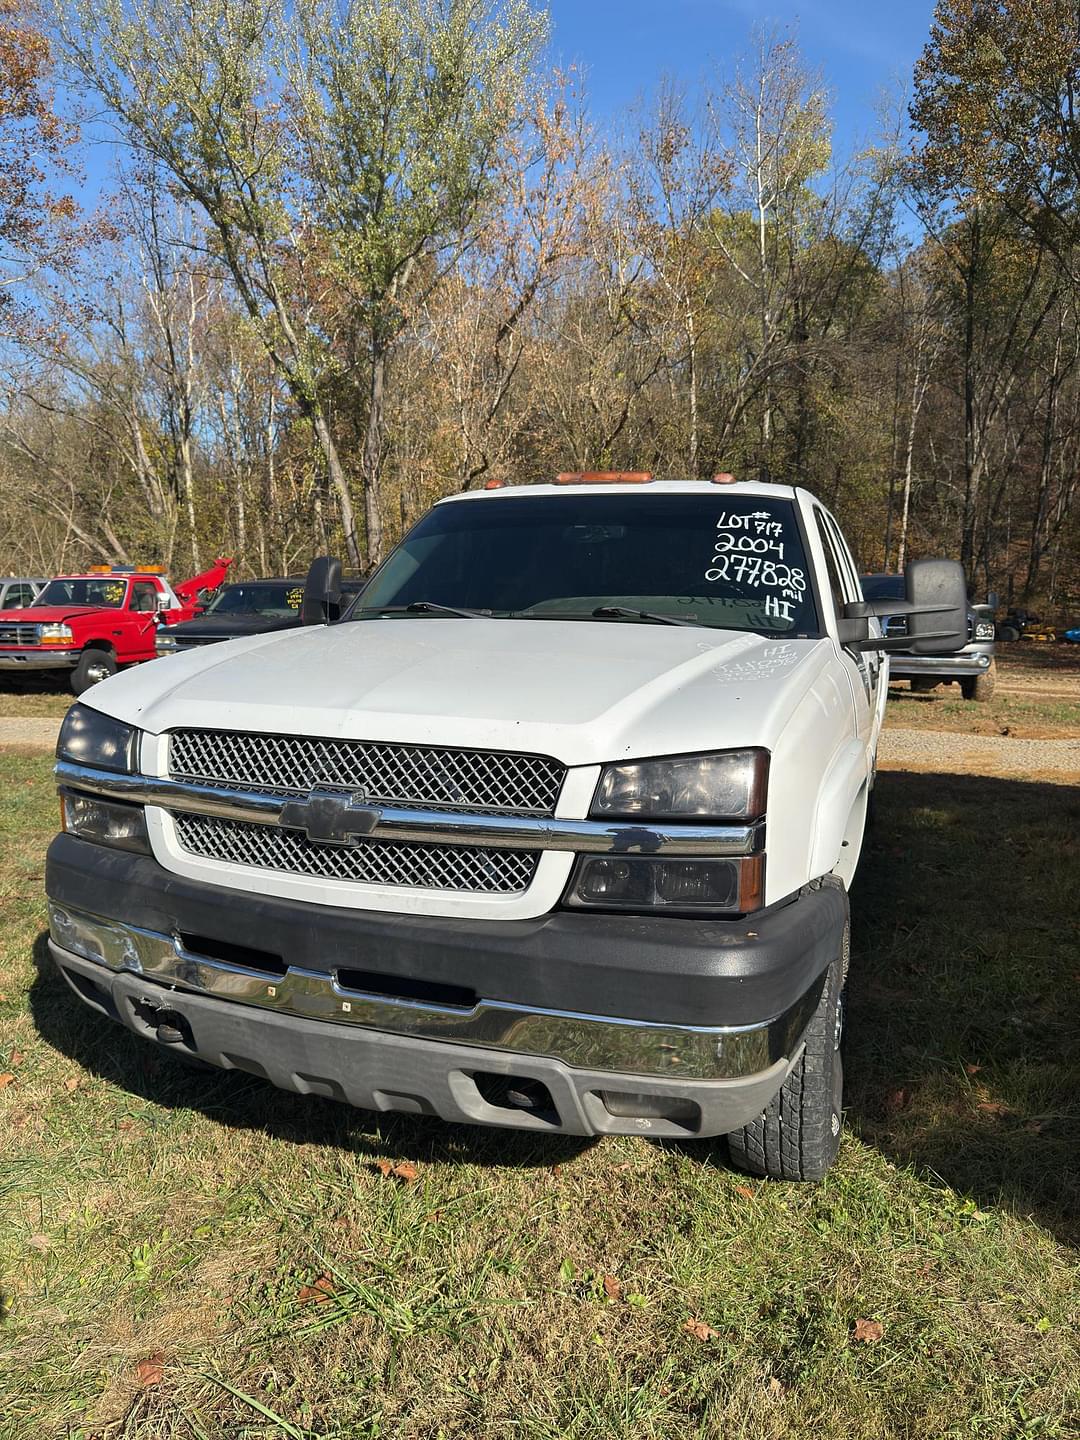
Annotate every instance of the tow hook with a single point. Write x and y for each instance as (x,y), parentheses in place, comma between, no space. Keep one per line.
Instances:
(169,1026)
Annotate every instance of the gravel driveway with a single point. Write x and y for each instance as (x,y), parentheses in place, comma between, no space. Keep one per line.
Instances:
(982,754)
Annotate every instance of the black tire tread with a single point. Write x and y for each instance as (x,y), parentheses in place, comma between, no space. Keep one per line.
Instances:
(792,1139)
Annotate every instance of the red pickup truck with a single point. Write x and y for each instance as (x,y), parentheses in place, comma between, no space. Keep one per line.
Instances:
(93,623)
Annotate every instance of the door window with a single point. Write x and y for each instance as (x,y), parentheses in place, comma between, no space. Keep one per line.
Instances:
(144,597)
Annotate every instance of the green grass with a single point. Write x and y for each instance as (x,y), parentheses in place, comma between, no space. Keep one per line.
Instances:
(32,696)
(1014,715)
(156,1215)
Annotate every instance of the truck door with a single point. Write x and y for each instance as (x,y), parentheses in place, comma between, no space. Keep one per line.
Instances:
(142,607)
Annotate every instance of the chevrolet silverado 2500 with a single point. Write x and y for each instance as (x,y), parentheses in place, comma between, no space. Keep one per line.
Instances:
(553,829)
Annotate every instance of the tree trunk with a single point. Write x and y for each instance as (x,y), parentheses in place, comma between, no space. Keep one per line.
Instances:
(339,482)
(373,453)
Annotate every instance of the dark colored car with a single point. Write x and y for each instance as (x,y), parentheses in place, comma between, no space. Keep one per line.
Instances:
(973,668)
(249,607)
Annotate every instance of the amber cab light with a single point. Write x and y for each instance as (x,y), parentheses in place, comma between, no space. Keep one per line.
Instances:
(724,477)
(494,484)
(603,477)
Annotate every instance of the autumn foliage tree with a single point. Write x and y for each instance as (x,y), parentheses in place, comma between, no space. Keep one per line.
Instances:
(33,142)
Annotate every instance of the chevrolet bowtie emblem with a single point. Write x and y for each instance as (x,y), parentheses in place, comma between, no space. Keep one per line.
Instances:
(330,817)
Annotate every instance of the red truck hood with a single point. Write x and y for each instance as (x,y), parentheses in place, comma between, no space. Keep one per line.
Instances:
(51,614)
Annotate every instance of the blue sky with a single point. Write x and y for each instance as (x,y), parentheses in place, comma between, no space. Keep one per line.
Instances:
(625,46)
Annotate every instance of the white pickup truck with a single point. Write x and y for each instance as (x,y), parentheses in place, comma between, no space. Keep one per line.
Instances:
(552,829)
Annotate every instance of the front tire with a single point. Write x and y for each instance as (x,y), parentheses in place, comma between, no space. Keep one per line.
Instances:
(93,667)
(798,1135)
(980,687)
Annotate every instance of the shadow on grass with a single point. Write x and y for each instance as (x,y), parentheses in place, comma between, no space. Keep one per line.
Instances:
(233,1098)
(961,1056)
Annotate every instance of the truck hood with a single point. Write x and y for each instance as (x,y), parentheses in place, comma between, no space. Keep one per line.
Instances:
(53,614)
(229,627)
(581,691)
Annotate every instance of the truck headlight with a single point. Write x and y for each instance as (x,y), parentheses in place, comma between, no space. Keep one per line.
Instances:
(87,737)
(105,822)
(984,630)
(726,785)
(55,633)
(641,883)
(164,643)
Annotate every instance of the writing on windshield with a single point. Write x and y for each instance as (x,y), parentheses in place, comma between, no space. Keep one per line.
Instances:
(106,593)
(735,562)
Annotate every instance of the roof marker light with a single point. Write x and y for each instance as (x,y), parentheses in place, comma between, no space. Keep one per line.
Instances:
(603,477)
(494,484)
(724,477)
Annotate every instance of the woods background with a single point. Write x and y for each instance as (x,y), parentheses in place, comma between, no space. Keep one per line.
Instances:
(352,257)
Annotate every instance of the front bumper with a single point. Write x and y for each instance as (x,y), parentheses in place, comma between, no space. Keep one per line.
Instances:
(24,658)
(631,1024)
(944,667)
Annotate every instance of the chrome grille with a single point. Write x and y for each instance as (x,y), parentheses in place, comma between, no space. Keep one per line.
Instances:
(466,781)
(369,862)
(15,634)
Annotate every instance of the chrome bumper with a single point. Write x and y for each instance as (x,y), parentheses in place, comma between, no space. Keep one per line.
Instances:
(591,1042)
(902,666)
(19,659)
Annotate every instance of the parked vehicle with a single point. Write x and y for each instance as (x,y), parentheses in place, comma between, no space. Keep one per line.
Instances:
(1025,625)
(972,666)
(249,607)
(1072,635)
(94,623)
(553,831)
(16,592)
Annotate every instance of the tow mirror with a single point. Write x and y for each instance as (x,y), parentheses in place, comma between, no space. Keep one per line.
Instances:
(934,605)
(162,602)
(322,592)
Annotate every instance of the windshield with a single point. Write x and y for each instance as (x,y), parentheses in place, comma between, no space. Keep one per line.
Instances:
(731,562)
(280,601)
(101,591)
(883,587)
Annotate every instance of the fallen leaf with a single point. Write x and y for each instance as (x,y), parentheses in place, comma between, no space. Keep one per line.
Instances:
(1034,1127)
(895,1101)
(6,1079)
(555,1169)
(3,999)
(744,1191)
(700,1330)
(39,1242)
(318,1291)
(404,1170)
(992,1107)
(624,1166)
(151,1371)
(72,1084)
(612,1287)
(776,1389)
(971,1068)
(868,1332)
(17,1057)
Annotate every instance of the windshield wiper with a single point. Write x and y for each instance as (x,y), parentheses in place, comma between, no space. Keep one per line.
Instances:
(604,610)
(426,607)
